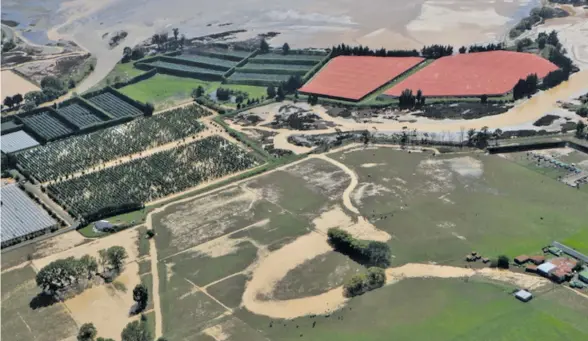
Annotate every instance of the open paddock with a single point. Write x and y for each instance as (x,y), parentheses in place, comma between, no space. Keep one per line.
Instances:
(235,262)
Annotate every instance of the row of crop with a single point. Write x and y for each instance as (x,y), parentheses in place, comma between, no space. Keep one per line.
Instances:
(260,79)
(243,62)
(277,69)
(152,177)
(55,161)
(201,61)
(182,70)
(300,59)
(235,56)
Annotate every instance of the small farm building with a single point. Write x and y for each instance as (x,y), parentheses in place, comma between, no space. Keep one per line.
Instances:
(103,225)
(20,217)
(583,276)
(531,268)
(545,268)
(524,295)
(522,259)
(537,259)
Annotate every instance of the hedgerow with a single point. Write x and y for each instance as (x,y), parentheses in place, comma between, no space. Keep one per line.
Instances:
(146,179)
(56,160)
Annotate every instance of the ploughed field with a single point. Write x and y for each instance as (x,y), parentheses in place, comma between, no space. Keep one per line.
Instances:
(152,177)
(56,160)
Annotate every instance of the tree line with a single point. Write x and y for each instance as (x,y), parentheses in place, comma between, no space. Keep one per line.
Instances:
(367,252)
(482,48)
(133,331)
(59,277)
(348,50)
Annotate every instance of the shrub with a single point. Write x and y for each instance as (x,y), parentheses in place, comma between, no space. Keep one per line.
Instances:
(502,262)
(362,283)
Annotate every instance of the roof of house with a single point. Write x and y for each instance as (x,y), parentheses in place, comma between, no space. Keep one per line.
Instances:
(20,215)
(564,264)
(521,258)
(523,294)
(531,267)
(537,259)
(546,267)
(584,274)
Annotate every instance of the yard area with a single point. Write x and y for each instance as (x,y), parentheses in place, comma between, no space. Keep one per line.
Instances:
(164,90)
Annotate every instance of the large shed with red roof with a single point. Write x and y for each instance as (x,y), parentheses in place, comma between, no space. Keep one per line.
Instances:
(355,77)
(492,73)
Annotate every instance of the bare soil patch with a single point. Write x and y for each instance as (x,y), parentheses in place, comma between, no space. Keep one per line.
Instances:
(13,84)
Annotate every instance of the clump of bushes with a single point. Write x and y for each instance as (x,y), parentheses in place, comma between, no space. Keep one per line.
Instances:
(367,252)
(502,262)
(362,283)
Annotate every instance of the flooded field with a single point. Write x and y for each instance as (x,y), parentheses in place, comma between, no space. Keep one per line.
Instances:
(392,24)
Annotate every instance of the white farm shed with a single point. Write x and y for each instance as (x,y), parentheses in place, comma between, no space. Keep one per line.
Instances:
(524,295)
(545,268)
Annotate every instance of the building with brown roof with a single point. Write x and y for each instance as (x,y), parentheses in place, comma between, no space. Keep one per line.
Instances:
(537,259)
(522,259)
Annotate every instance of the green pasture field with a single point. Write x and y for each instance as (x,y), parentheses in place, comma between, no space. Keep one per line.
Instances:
(26,318)
(440,310)
(164,90)
(317,276)
(253,91)
(120,73)
(494,206)
(578,241)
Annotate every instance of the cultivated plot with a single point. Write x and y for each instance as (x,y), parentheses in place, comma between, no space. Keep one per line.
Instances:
(492,73)
(354,77)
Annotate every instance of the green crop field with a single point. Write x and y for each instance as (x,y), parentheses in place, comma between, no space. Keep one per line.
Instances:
(436,209)
(165,90)
(26,317)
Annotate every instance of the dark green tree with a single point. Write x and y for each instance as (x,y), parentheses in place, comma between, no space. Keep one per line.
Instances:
(280,94)
(116,256)
(8,101)
(503,262)
(136,331)
(463,50)
(271,92)
(141,296)
(263,46)
(580,128)
(176,32)
(87,332)
(285,48)
(17,99)
(52,82)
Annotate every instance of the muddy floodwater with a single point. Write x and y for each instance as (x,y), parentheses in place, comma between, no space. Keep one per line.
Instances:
(303,23)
